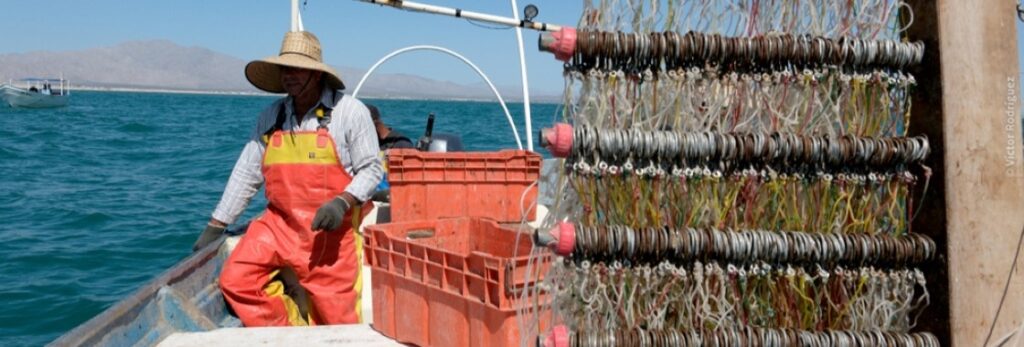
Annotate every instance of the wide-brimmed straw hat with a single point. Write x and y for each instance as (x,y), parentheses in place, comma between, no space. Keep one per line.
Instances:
(300,49)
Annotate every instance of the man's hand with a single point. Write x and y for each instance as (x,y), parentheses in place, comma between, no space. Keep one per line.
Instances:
(331,214)
(383,195)
(211,233)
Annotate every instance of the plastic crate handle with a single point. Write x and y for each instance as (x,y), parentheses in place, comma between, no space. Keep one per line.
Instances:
(509,287)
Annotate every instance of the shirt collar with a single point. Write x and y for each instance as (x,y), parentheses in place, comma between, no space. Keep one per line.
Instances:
(327,100)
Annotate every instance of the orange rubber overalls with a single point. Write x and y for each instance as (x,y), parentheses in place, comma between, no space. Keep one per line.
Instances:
(302,171)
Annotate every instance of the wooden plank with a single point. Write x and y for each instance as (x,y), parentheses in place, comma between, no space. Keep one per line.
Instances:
(927,119)
(969,101)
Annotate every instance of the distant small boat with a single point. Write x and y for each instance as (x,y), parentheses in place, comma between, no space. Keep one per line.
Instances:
(37,93)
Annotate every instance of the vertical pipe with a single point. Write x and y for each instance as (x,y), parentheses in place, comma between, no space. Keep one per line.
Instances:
(296,17)
(526,83)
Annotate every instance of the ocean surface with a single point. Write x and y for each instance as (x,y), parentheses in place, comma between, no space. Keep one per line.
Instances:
(99,197)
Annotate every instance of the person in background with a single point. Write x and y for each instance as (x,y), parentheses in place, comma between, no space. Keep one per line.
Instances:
(316,150)
(387,138)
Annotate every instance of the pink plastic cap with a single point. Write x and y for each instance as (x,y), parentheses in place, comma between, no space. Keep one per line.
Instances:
(558,140)
(565,232)
(559,337)
(565,43)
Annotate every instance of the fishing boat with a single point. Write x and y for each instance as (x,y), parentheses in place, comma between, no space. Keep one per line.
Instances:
(184,306)
(186,299)
(36,93)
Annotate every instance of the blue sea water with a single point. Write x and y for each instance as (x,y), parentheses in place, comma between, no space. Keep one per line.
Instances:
(99,197)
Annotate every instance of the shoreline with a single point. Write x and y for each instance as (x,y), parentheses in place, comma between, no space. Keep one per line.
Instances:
(259,93)
(164,91)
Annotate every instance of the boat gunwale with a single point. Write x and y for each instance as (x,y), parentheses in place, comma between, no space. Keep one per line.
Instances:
(125,311)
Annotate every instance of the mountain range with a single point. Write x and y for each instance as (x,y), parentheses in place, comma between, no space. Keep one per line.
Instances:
(165,65)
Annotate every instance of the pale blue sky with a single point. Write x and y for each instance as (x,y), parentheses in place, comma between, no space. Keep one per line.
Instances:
(353,33)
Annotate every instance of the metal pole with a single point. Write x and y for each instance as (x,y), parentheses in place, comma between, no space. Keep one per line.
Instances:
(296,17)
(459,13)
(526,83)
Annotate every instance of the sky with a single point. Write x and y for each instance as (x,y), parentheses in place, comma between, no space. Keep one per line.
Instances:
(1020,46)
(352,33)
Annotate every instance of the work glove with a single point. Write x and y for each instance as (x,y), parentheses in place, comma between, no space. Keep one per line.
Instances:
(383,195)
(330,215)
(210,234)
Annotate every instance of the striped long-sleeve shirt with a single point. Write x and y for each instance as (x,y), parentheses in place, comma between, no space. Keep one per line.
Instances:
(353,133)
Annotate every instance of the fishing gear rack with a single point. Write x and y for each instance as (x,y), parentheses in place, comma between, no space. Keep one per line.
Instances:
(823,71)
(748,180)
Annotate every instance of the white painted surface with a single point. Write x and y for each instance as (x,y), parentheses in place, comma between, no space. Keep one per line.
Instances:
(336,335)
(18,97)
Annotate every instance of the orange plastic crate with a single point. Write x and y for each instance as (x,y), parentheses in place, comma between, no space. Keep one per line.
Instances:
(454,288)
(462,184)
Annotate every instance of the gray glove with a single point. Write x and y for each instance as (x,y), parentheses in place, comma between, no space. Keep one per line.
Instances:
(210,234)
(383,195)
(330,215)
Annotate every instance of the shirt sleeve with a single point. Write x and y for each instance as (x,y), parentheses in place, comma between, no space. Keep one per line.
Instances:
(247,176)
(367,169)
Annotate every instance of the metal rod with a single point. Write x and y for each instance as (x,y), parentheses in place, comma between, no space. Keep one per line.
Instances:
(459,13)
(523,74)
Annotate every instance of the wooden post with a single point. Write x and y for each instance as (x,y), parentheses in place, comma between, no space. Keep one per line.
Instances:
(968,103)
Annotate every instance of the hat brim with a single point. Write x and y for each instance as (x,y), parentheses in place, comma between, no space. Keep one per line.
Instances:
(265,74)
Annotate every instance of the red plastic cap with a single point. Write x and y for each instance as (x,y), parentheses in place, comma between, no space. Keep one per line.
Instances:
(565,232)
(558,140)
(564,44)
(559,337)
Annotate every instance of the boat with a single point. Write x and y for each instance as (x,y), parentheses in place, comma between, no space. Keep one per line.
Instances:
(184,305)
(186,299)
(37,93)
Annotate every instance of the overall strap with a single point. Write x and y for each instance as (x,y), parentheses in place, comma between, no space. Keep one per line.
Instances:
(278,124)
(323,113)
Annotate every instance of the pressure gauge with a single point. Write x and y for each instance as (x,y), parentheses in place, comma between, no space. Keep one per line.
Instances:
(530,12)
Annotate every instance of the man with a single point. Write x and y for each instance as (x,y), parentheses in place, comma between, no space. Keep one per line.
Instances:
(387,138)
(316,150)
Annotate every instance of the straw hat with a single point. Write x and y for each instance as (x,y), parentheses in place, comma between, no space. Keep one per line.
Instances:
(300,49)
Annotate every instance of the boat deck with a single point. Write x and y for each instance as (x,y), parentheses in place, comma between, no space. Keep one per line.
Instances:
(339,335)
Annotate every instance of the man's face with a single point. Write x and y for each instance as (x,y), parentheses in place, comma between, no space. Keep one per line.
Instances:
(298,81)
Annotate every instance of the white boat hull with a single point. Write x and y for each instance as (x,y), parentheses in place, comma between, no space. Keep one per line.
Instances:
(17,97)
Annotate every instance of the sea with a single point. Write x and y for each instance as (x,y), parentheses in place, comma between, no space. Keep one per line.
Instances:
(99,197)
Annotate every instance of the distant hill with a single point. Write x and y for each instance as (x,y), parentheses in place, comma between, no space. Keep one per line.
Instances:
(161,64)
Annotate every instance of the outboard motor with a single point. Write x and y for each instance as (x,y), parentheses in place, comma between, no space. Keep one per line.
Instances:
(445,143)
(424,142)
(439,143)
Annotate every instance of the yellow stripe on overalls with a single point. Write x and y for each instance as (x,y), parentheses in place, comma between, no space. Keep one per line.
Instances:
(298,148)
(275,289)
(357,237)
